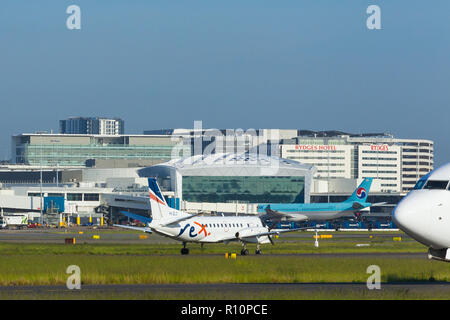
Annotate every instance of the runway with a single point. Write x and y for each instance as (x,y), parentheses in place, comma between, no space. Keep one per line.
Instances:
(226,288)
(117,235)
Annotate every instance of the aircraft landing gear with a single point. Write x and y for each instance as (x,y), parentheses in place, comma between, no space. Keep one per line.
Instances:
(258,250)
(184,250)
(244,250)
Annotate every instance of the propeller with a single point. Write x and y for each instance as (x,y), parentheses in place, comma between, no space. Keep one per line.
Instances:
(268,227)
(271,241)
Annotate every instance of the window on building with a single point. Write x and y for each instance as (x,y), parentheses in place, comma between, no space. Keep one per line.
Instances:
(32,194)
(56,194)
(91,197)
(74,196)
(259,189)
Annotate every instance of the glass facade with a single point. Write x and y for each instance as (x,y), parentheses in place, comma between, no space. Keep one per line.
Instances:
(76,155)
(263,189)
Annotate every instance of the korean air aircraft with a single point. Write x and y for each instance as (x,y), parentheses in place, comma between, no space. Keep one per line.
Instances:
(319,211)
(186,227)
(424,213)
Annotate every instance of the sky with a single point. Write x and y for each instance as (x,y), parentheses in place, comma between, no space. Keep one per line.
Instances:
(309,64)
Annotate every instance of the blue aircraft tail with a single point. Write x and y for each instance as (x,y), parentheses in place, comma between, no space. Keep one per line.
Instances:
(360,194)
(155,191)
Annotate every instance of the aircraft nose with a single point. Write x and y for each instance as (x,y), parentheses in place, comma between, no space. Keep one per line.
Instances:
(408,215)
(400,215)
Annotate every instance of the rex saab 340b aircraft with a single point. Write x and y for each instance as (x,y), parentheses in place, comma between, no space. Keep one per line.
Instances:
(319,211)
(424,213)
(186,227)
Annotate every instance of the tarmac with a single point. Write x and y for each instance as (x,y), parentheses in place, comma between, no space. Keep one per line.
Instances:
(228,288)
(117,235)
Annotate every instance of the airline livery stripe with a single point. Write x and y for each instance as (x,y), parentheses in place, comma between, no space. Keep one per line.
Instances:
(155,198)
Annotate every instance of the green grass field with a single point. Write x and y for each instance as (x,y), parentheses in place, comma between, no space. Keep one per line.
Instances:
(50,269)
(106,263)
(119,263)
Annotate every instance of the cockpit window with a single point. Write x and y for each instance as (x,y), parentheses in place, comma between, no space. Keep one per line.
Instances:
(436,185)
(419,184)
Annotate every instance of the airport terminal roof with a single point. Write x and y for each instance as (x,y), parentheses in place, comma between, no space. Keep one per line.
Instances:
(239,164)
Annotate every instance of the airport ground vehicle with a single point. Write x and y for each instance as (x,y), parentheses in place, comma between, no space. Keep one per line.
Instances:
(13,221)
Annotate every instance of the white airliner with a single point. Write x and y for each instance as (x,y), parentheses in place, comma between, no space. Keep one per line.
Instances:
(185,227)
(424,214)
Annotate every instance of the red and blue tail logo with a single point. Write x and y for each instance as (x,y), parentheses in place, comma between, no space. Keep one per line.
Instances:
(361,193)
(155,192)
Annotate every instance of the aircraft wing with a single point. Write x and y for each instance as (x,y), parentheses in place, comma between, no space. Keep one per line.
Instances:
(278,231)
(357,206)
(377,204)
(143,229)
(137,217)
(174,221)
(274,214)
(163,223)
(262,234)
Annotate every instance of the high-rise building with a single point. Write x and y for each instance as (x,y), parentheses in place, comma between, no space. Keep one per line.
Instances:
(397,163)
(101,126)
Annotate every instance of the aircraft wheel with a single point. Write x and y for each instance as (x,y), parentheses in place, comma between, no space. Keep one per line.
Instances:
(258,252)
(244,252)
(184,251)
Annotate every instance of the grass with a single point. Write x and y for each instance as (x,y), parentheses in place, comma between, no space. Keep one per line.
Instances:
(50,269)
(161,263)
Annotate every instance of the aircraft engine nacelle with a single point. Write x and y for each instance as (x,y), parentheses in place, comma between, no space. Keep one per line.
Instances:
(250,232)
(439,254)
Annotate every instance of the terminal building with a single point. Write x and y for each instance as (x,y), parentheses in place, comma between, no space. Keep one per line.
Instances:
(398,163)
(215,184)
(81,150)
(212,171)
(219,183)
(232,182)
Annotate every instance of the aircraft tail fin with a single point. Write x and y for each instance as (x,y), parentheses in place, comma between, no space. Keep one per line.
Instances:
(360,194)
(158,205)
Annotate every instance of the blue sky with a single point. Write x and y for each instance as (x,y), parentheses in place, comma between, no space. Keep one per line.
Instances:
(309,64)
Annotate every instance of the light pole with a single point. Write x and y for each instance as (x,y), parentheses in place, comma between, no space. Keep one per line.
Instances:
(328,149)
(40,181)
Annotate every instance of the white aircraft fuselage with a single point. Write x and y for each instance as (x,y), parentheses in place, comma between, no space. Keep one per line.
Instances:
(424,213)
(215,229)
